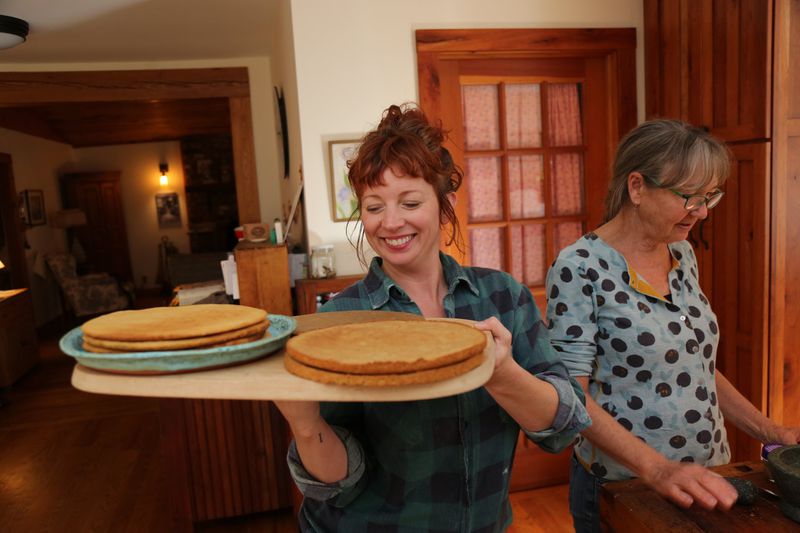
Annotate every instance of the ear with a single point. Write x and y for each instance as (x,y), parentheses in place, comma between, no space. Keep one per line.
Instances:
(636,186)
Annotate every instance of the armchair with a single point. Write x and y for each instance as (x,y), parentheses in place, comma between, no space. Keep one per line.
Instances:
(90,294)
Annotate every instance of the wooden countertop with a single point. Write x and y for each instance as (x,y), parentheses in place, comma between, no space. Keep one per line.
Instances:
(267,379)
(630,506)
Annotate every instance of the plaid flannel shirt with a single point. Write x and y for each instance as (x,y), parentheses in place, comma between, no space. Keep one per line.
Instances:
(444,464)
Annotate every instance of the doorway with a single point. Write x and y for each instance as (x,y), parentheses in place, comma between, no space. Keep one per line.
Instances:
(14,274)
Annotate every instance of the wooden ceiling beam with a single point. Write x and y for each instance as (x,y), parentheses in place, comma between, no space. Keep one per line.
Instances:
(20,88)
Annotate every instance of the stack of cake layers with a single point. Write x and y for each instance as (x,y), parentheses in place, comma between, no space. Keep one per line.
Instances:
(386,353)
(174,328)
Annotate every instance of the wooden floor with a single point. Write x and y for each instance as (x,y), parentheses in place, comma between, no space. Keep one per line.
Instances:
(72,461)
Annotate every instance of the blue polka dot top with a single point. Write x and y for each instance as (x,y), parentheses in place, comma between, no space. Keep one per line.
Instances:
(649,358)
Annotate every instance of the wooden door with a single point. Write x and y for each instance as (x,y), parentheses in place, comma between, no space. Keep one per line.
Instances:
(103,238)
(709,62)
(11,231)
(741,244)
(533,119)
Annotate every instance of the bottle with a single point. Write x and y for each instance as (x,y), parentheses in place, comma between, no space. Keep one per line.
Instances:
(278,226)
(323,263)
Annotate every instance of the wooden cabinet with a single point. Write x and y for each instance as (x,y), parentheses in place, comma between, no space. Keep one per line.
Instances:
(307,290)
(210,186)
(709,62)
(263,271)
(18,348)
(728,65)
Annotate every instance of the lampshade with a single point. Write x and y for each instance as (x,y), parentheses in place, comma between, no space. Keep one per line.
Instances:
(163,180)
(69,218)
(2,266)
(13,31)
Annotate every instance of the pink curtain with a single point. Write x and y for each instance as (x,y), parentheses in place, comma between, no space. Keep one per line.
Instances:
(481,117)
(567,179)
(565,233)
(486,248)
(564,114)
(523,115)
(526,186)
(485,189)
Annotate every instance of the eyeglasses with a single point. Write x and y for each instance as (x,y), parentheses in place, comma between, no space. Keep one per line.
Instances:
(694,201)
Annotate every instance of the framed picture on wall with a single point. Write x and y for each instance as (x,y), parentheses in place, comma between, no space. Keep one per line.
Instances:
(343,201)
(168,210)
(31,207)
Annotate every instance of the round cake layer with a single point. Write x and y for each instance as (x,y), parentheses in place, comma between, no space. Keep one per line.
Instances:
(383,380)
(223,339)
(181,322)
(387,347)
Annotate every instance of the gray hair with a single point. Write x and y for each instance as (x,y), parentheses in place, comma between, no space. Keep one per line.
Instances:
(670,154)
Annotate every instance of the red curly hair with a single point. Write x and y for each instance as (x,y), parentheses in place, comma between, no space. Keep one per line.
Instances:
(410,145)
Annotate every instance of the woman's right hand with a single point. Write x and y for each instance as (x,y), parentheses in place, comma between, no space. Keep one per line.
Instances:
(687,483)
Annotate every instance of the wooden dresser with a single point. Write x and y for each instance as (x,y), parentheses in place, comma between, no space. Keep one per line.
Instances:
(18,348)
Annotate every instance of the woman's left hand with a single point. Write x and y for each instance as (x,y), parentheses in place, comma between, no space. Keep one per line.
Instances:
(502,343)
(782,435)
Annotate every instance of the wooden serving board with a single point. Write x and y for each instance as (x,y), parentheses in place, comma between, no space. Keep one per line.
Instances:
(267,379)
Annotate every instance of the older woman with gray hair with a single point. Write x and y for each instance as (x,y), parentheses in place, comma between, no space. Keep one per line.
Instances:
(631,322)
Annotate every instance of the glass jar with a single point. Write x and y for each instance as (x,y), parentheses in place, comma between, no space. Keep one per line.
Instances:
(323,261)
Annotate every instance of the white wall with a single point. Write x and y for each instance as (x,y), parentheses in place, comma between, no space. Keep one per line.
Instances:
(37,164)
(284,76)
(356,57)
(139,183)
(261,99)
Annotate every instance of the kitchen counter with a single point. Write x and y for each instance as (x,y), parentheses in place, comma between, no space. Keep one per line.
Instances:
(632,506)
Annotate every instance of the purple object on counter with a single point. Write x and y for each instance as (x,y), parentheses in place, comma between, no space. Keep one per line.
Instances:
(766,449)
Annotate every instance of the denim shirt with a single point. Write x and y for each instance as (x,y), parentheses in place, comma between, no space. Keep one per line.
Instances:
(442,464)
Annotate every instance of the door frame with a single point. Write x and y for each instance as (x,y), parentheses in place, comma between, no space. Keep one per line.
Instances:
(614,50)
(31,88)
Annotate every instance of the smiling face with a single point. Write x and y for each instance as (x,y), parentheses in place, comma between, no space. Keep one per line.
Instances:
(662,213)
(402,221)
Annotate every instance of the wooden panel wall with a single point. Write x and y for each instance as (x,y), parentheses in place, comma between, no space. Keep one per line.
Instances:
(784,364)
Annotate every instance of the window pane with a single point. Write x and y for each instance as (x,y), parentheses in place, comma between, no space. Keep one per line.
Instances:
(523,116)
(481,117)
(526,186)
(486,248)
(564,114)
(528,254)
(484,185)
(565,233)
(535,255)
(567,179)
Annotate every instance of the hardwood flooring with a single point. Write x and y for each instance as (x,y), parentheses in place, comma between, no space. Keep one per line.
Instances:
(72,461)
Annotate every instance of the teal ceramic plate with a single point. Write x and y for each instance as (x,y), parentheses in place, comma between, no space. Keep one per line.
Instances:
(176,361)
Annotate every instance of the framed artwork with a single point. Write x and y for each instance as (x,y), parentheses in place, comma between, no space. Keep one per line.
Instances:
(168,210)
(31,207)
(343,201)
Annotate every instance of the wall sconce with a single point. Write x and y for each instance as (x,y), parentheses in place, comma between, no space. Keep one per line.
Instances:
(163,180)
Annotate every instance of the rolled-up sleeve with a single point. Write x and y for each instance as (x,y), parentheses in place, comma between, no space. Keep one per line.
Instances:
(341,492)
(571,317)
(532,350)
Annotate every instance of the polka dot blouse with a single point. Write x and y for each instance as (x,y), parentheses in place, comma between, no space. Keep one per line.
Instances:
(650,361)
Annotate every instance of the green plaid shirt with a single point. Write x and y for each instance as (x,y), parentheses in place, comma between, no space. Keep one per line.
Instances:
(438,465)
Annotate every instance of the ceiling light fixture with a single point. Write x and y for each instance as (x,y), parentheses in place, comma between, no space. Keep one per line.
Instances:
(13,31)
